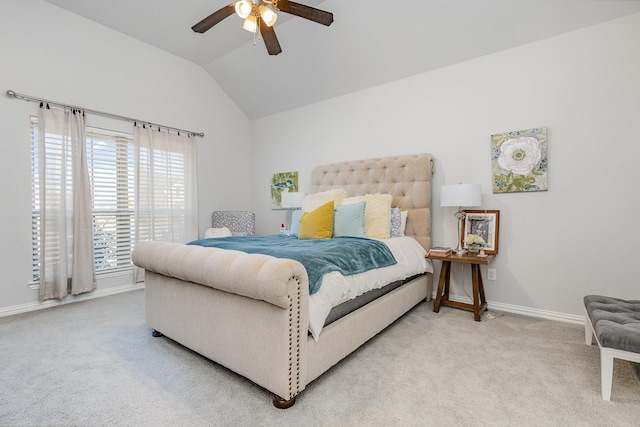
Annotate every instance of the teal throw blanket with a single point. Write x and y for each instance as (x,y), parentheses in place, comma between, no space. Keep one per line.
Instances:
(348,255)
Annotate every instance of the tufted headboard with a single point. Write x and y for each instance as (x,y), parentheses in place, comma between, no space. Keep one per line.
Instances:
(407,178)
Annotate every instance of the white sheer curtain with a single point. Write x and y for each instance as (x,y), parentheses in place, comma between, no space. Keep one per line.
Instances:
(166,206)
(66,222)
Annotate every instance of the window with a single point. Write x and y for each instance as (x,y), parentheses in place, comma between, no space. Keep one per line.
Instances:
(162,195)
(111,173)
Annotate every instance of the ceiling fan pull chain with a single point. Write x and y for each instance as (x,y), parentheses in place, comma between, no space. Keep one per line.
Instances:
(258,34)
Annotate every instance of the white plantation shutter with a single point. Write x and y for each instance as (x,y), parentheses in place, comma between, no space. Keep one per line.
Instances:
(111,170)
(161,202)
(35,203)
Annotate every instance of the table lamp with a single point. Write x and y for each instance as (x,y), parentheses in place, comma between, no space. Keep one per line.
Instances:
(467,195)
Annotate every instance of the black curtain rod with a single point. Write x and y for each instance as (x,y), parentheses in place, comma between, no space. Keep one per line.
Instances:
(99,113)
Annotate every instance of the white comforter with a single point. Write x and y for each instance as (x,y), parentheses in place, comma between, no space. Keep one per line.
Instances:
(336,288)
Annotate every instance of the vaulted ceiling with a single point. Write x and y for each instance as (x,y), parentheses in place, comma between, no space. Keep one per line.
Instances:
(369,43)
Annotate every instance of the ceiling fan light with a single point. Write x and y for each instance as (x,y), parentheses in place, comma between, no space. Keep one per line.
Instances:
(250,23)
(243,8)
(268,16)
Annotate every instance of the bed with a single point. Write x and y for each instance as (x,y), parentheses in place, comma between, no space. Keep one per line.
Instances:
(250,312)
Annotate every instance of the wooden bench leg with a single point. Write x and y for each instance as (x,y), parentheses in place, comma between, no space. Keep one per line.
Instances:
(606,361)
(606,373)
(588,331)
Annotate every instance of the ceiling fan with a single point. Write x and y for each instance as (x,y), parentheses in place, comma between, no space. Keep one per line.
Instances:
(261,14)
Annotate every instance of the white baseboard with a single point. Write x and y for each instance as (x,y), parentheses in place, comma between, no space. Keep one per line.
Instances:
(37,305)
(507,308)
(526,311)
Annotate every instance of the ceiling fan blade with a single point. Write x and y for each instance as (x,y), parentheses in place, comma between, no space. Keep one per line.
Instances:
(214,18)
(307,12)
(270,40)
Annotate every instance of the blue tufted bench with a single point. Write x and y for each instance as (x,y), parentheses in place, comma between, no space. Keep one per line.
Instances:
(616,325)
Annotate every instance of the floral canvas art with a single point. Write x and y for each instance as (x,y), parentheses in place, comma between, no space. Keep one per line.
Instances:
(282,181)
(519,161)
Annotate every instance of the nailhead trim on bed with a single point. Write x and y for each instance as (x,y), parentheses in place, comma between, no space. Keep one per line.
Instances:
(294,347)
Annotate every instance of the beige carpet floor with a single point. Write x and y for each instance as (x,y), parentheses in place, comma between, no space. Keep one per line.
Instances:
(95,363)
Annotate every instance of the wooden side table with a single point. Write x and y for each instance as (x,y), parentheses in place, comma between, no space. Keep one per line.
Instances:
(479,300)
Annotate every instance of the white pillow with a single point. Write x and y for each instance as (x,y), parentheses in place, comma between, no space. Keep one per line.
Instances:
(377,214)
(403,221)
(313,201)
(217,232)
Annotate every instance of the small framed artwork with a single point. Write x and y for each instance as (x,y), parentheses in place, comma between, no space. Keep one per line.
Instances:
(519,161)
(280,182)
(483,223)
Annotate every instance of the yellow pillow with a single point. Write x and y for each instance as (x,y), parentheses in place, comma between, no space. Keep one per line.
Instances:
(317,224)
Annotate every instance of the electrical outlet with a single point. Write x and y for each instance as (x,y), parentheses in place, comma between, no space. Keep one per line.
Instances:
(491,274)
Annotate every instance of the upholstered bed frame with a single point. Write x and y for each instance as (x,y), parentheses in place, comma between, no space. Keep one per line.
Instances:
(249,312)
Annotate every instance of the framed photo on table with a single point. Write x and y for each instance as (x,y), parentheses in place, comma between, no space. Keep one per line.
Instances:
(483,223)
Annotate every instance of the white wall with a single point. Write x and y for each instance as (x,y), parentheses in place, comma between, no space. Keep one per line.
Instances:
(556,246)
(47,52)
(582,86)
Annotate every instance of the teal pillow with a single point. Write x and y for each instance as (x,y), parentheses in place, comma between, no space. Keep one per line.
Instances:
(295,222)
(348,220)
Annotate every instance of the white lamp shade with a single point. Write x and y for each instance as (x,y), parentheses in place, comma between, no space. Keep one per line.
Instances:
(268,16)
(243,8)
(468,195)
(291,200)
(250,23)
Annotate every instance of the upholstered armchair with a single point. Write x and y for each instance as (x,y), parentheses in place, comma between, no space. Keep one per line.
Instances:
(240,223)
